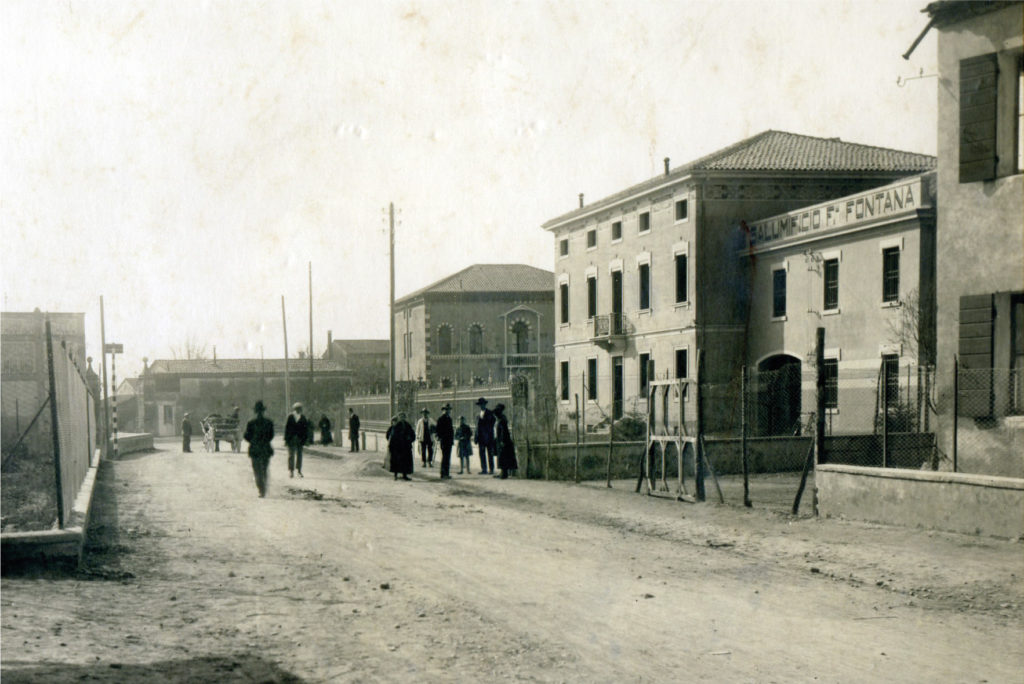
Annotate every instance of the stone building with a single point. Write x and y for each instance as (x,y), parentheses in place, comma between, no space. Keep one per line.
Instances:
(483,324)
(648,277)
(980,240)
(863,268)
(366,359)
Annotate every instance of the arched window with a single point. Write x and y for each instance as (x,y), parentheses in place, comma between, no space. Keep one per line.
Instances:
(476,339)
(521,337)
(444,339)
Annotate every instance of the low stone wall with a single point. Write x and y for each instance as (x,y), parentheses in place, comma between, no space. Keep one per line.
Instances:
(955,502)
(131,442)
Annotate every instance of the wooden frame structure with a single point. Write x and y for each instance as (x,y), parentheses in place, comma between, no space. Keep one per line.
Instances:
(663,429)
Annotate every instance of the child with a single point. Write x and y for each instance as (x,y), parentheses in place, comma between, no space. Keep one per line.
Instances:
(464,435)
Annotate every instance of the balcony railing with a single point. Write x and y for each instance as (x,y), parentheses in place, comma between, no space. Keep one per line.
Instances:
(608,326)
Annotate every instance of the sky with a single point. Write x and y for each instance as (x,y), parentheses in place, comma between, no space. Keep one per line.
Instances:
(189,161)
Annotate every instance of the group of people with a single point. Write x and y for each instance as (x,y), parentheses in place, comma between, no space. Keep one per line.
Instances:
(492,437)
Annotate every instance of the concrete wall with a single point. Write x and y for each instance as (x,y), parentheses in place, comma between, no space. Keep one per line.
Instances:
(979,240)
(970,504)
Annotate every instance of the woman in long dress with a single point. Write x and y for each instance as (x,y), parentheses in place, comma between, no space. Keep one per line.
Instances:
(401,437)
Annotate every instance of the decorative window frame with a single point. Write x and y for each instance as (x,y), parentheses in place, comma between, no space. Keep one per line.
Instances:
(780,266)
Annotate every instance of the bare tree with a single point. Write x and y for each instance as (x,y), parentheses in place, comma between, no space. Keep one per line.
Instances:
(909,328)
(191,348)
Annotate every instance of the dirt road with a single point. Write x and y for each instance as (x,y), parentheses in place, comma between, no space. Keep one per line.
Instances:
(347,575)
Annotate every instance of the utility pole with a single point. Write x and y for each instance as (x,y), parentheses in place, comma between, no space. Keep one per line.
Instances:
(391,316)
(309,386)
(103,343)
(287,388)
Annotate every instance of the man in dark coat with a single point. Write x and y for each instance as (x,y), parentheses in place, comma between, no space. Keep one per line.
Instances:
(484,437)
(258,433)
(186,434)
(296,431)
(400,440)
(503,443)
(445,432)
(353,431)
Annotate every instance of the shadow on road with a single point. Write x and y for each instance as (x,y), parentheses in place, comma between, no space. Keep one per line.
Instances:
(238,668)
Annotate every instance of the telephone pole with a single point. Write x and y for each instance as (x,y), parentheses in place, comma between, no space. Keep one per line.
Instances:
(391,316)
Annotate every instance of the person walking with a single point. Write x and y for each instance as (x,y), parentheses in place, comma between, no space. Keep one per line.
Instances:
(236,445)
(325,430)
(258,433)
(296,432)
(424,439)
(353,431)
(186,434)
(504,445)
(400,438)
(446,438)
(464,434)
(484,437)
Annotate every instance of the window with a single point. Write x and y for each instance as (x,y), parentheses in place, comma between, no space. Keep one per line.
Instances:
(563,290)
(891,373)
(444,340)
(645,287)
(831,284)
(168,414)
(681,210)
(644,222)
(680,278)
(565,381)
(645,371)
(476,339)
(891,274)
(592,238)
(990,116)
(521,335)
(831,369)
(563,247)
(591,297)
(617,230)
(592,379)
(681,363)
(778,293)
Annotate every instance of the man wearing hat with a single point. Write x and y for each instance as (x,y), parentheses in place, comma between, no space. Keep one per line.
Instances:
(258,433)
(426,442)
(296,432)
(484,437)
(446,436)
(186,434)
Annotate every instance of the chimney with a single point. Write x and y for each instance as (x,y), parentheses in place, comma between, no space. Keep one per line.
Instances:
(666,166)
(581,200)
(330,352)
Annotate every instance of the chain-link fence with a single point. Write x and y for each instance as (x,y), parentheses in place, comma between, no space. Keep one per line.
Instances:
(45,459)
(988,421)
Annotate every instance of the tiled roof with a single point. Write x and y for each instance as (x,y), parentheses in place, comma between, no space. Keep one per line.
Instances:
(949,11)
(242,366)
(363,346)
(779,151)
(490,278)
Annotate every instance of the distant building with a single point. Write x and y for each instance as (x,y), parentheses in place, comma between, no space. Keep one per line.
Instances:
(25,373)
(648,278)
(204,386)
(366,359)
(857,266)
(980,247)
(485,323)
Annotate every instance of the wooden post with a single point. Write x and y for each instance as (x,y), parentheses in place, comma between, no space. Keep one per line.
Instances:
(55,428)
(608,465)
(743,436)
(956,405)
(815,452)
(287,383)
(576,458)
(699,442)
(106,396)
(885,414)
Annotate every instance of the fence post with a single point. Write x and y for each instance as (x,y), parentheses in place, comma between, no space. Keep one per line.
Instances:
(816,452)
(885,413)
(956,405)
(698,447)
(608,466)
(576,457)
(54,427)
(743,435)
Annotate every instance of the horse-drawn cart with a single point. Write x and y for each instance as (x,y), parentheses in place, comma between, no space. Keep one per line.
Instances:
(217,428)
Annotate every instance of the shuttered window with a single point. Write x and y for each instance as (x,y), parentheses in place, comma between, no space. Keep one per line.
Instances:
(979,78)
(975,358)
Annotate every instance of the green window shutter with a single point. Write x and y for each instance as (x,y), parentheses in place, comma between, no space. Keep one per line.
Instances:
(978,99)
(975,384)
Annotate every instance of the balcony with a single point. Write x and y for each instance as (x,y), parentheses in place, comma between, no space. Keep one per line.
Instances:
(522,360)
(610,329)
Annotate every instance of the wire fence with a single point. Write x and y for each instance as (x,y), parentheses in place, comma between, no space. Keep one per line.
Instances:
(988,421)
(45,460)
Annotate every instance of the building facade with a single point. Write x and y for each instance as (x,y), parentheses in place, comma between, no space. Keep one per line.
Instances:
(483,324)
(980,239)
(648,278)
(863,268)
(366,359)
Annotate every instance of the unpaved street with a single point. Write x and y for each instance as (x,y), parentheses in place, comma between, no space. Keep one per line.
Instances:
(347,575)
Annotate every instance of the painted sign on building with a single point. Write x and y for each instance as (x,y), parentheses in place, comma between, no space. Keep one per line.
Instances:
(867,207)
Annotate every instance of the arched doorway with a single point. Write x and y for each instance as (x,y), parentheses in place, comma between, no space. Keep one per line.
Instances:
(778,395)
